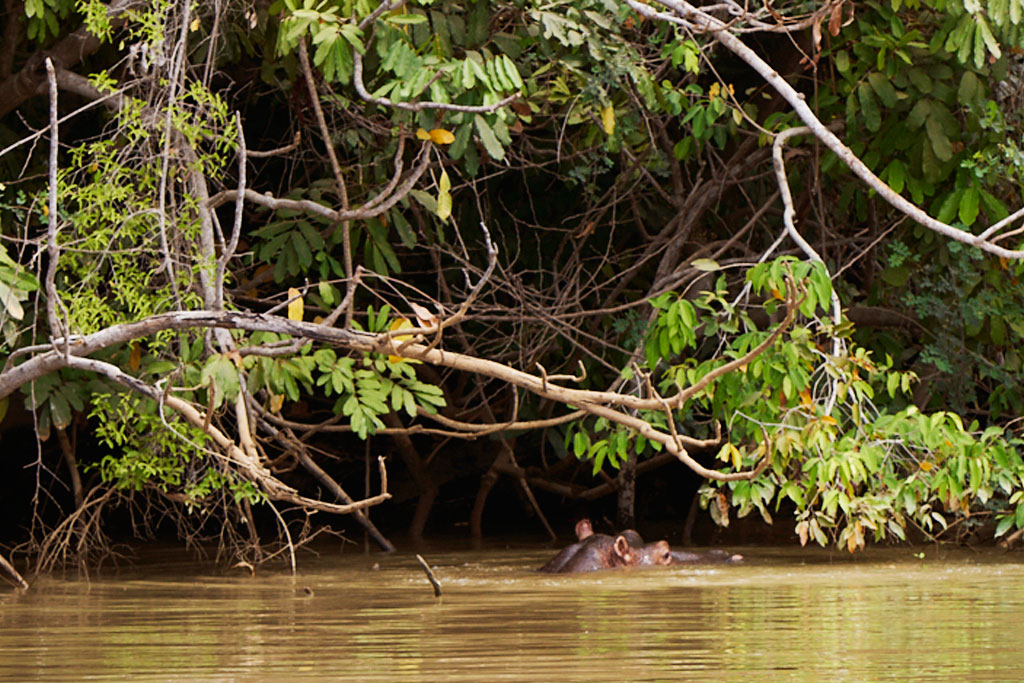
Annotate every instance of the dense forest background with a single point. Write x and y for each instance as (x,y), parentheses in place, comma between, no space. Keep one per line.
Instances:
(545,259)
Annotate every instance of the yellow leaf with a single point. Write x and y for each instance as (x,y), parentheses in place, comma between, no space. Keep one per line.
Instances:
(608,119)
(135,357)
(828,419)
(276,401)
(400,324)
(295,306)
(444,198)
(194,26)
(805,397)
(714,90)
(926,466)
(422,134)
(46,210)
(441,136)
(778,295)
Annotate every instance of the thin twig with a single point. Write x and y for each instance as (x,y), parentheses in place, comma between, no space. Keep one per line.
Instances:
(430,576)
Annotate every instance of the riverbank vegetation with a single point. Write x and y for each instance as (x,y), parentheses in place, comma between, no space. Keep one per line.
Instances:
(554,247)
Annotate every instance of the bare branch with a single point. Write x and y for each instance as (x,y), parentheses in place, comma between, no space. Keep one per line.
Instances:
(52,253)
(378,206)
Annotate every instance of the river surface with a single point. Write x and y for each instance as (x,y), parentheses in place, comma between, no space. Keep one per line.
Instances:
(790,614)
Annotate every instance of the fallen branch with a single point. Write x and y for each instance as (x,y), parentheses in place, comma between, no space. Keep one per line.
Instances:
(13,573)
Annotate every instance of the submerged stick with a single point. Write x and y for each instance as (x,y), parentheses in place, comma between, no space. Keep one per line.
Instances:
(430,576)
(9,568)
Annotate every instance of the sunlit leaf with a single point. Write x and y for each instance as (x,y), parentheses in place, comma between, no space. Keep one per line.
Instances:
(444,198)
(608,119)
(10,302)
(295,306)
(400,324)
(440,136)
(705,265)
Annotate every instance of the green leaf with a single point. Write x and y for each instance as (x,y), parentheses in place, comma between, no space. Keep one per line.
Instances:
(60,411)
(302,250)
(940,143)
(1004,525)
(949,207)
(512,72)
(894,175)
(842,61)
(406,19)
(883,88)
(226,384)
(428,201)
(990,40)
(403,228)
(994,208)
(920,79)
(919,114)
(487,137)
(970,89)
(968,210)
(997,330)
(869,107)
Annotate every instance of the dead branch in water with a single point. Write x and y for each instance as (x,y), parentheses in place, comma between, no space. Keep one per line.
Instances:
(430,576)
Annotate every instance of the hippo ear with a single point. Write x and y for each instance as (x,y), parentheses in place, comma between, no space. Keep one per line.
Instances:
(622,547)
(584,529)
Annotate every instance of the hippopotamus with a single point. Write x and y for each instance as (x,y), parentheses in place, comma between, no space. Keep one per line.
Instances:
(584,530)
(600,551)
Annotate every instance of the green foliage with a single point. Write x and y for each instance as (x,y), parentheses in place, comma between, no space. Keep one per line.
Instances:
(333,37)
(147,454)
(45,16)
(15,286)
(374,385)
(846,451)
(365,387)
(617,116)
(57,397)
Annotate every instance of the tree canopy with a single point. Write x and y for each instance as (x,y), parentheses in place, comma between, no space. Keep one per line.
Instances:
(777,245)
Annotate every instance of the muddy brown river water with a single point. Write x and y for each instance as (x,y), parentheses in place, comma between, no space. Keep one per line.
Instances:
(782,615)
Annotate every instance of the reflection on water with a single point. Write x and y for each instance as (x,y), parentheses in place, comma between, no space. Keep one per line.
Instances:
(784,614)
